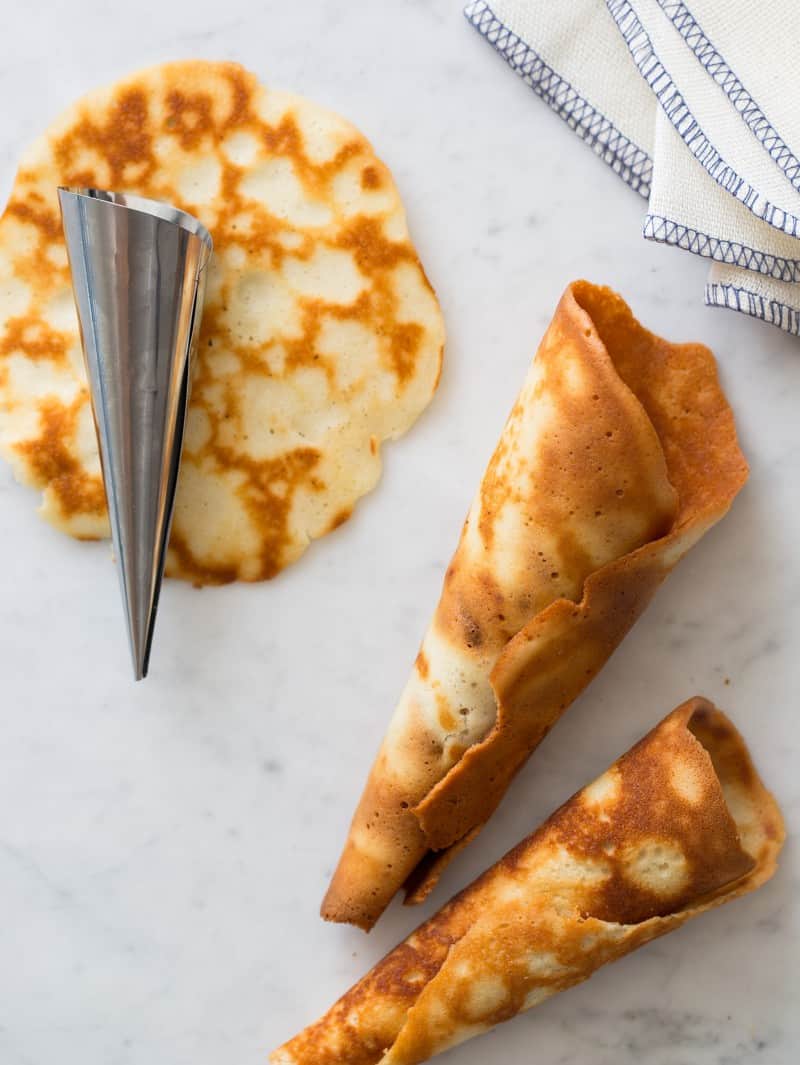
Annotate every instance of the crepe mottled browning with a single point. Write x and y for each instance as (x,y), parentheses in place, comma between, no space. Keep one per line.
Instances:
(619,453)
(679,824)
(321,336)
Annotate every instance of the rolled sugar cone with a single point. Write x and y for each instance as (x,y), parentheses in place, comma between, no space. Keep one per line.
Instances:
(678,825)
(618,455)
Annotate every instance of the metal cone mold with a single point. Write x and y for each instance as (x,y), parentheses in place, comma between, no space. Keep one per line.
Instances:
(138,272)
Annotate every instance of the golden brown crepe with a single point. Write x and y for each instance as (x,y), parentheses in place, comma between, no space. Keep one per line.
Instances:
(679,824)
(619,453)
(321,336)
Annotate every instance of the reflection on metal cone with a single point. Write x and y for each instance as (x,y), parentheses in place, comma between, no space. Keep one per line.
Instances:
(138,273)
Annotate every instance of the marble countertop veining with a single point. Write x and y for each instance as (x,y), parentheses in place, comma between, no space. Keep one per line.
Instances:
(164,846)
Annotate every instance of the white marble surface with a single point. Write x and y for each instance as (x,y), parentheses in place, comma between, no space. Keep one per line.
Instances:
(164,847)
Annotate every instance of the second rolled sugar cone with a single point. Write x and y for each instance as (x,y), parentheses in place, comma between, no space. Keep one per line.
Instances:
(678,825)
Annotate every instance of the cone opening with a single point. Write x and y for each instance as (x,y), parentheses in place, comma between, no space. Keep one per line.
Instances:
(158,208)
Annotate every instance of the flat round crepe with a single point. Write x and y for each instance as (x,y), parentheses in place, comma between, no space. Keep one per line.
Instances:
(321,335)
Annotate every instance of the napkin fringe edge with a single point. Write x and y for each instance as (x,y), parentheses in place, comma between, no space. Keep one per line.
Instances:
(627,159)
(734,298)
(662,230)
(725,77)
(677,110)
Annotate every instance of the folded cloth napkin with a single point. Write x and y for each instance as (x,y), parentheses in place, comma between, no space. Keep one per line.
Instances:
(695,105)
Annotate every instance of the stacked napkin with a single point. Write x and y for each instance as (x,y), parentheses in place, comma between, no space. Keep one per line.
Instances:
(696,107)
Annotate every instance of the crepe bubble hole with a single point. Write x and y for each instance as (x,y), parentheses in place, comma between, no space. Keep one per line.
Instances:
(659,866)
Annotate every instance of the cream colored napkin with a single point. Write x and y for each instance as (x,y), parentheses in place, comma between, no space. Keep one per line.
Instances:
(695,106)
